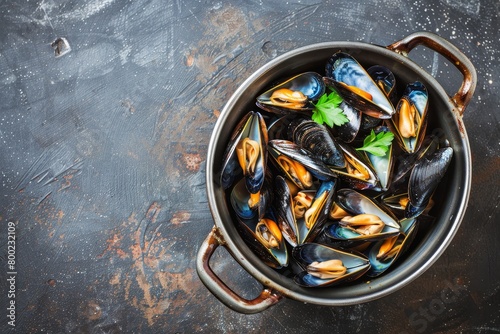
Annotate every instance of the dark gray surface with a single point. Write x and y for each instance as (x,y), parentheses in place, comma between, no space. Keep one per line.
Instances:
(103,149)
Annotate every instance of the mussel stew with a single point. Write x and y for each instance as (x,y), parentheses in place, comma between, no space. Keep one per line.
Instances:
(330,178)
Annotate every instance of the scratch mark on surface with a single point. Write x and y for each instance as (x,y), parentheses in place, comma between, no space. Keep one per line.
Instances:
(194,15)
(43,6)
(178,5)
(219,57)
(217,77)
(88,10)
(188,90)
(279,322)
(302,15)
(151,241)
(435,64)
(157,122)
(153,211)
(150,217)
(71,169)
(40,176)
(44,198)
(46,8)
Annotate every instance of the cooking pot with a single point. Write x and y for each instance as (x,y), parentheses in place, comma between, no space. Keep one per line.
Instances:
(446,120)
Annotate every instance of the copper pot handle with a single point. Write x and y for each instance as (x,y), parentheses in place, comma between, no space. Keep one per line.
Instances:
(450,52)
(219,289)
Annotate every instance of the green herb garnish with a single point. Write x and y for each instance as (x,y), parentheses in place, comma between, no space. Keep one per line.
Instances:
(327,110)
(377,144)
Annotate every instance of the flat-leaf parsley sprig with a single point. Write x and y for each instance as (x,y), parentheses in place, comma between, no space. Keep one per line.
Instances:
(377,144)
(327,110)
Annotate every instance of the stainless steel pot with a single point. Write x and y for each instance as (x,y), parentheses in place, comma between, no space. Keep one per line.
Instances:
(446,120)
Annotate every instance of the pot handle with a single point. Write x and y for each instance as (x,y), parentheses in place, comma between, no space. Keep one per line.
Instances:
(219,289)
(450,52)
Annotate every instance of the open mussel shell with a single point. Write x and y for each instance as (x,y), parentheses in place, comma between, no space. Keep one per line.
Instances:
(382,254)
(357,203)
(382,165)
(282,205)
(358,174)
(410,120)
(309,84)
(385,79)
(316,139)
(311,224)
(339,235)
(306,254)
(365,212)
(239,199)
(405,162)
(346,76)
(247,206)
(276,257)
(424,179)
(252,163)
(396,202)
(295,162)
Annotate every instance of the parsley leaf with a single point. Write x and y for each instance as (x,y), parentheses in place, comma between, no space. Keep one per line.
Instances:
(377,144)
(327,110)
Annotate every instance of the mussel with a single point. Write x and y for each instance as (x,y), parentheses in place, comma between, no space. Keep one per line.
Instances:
(410,120)
(357,173)
(247,205)
(424,179)
(405,162)
(367,221)
(326,266)
(382,165)
(283,208)
(265,238)
(385,79)
(312,212)
(246,153)
(294,94)
(348,131)
(316,139)
(298,164)
(383,253)
(354,84)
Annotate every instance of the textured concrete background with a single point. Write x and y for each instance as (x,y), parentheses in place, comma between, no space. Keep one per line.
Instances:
(103,148)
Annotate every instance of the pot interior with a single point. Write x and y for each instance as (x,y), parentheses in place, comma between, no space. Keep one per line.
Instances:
(450,198)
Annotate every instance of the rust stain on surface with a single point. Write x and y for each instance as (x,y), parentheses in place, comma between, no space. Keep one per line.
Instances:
(127,103)
(180,217)
(153,212)
(60,215)
(192,161)
(67,182)
(116,278)
(113,246)
(461,128)
(189,60)
(156,283)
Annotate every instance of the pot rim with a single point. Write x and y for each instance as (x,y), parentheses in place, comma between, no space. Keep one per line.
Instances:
(404,276)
